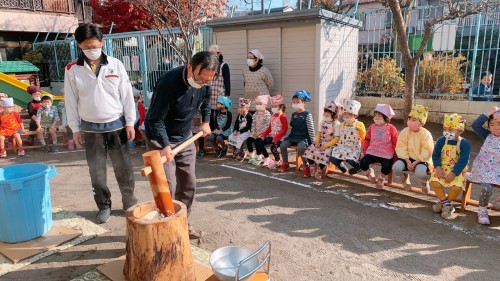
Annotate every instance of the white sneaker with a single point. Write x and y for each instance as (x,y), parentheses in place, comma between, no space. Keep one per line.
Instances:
(482,217)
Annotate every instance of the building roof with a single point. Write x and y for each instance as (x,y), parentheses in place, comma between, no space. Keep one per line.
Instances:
(352,2)
(17,67)
(297,15)
(284,9)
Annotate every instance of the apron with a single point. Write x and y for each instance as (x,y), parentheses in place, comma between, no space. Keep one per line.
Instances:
(9,125)
(221,122)
(349,146)
(449,158)
(315,154)
(485,168)
(238,140)
(299,132)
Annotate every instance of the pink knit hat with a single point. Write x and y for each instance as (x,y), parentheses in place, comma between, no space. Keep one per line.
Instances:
(277,100)
(385,109)
(262,99)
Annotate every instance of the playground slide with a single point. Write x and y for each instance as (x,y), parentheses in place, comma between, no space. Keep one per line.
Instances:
(17,90)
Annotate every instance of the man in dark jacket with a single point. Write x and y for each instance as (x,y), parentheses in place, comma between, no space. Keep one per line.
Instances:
(176,99)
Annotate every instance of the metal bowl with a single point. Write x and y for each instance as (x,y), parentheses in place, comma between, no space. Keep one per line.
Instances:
(225,260)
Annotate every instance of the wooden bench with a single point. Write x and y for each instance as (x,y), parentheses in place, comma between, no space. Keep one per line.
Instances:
(34,134)
(466,196)
(298,159)
(332,169)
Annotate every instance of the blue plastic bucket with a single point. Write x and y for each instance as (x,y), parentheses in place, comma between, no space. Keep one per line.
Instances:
(25,208)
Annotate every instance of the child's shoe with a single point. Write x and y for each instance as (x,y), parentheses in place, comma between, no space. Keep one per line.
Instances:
(200,153)
(283,167)
(379,183)
(437,208)
(3,153)
(426,188)
(46,148)
(342,167)
(267,161)
(71,145)
(55,148)
(482,217)
(313,169)
(223,151)
(319,173)
(307,171)
(258,161)
(252,159)
(371,176)
(448,213)
(273,165)
(217,152)
(20,151)
(405,179)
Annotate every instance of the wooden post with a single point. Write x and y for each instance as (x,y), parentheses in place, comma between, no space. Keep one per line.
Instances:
(158,249)
(158,181)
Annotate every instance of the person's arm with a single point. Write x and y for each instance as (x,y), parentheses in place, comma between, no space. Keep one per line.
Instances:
(361,131)
(318,137)
(268,79)
(367,139)
(158,110)
(427,147)
(254,124)
(56,115)
(126,96)
(310,126)
(436,154)
(464,157)
(478,128)
(266,131)
(336,135)
(71,101)
(249,124)
(402,145)
(227,79)
(38,119)
(228,121)
(236,127)
(31,111)
(284,128)
(394,135)
(142,114)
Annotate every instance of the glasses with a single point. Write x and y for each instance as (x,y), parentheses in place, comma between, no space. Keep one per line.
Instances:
(202,82)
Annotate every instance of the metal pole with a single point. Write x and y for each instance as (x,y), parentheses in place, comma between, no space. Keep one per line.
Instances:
(57,61)
(72,49)
(111,27)
(269,8)
(476,44)
(144,69)
(262,7)
(310,4)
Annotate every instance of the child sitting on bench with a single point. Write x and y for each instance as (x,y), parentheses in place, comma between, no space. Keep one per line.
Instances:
(10,126)
(47,118)
(450,159)
(485,169)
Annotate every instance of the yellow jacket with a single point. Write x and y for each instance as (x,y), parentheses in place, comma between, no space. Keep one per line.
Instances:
(415,145)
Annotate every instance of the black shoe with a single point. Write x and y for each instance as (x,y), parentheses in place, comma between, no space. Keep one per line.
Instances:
(223,151)
(55,148)
(218,152)
(353,171)
(46,148)
(103,216)
(200,153)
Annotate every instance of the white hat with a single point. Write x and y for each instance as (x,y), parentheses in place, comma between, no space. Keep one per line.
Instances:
(352,106)
(385,109)
(257,54)
(7,102)
(214,48)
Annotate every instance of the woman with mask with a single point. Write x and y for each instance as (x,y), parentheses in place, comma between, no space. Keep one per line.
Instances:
(257,78)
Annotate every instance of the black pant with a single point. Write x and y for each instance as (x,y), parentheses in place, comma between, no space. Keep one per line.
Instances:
(338,162)
(260,145)
(97,147)
(370,159)
(250,142)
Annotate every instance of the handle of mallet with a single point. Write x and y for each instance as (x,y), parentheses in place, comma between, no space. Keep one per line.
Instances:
(183,145)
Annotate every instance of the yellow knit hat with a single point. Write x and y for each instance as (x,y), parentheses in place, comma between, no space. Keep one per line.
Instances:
(419,112)
(454,121)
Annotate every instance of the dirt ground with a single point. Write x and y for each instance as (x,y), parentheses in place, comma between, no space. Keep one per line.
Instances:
(320,230)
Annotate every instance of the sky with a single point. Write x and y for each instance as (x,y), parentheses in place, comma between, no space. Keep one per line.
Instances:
(274,3)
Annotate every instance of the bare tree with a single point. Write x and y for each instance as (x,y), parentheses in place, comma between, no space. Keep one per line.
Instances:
(453,9)
(181,20)
(336,6)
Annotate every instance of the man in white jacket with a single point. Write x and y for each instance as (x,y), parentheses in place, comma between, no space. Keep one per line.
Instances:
(99,102)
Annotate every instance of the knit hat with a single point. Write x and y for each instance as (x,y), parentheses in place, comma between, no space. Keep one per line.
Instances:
(244,103)
(257,54)
(263,99)
(225,101)
(33,89)
(333,107)
(277,100)
(419,112)
(304,95)
(7,102)
(385,109)
(454,121)
(352,106)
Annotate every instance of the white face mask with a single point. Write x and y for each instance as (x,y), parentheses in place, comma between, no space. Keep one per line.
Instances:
(274,110)
(93,54)
(47,106)
(449,135)
(193,84)
(259,107)
(297,106)
(378,122)
(349,120)
(327,119)
(250,62)
(38,98)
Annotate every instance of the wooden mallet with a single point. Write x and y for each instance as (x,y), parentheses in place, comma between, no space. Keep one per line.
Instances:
(153,169)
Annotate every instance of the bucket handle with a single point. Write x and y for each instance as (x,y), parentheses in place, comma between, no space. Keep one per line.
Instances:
(267,258)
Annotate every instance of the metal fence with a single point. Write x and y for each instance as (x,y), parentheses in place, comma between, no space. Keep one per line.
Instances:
(457,57)
(145,54)
(54,6)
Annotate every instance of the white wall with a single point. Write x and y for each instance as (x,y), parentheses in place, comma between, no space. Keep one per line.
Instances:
(13,20)
(338,64)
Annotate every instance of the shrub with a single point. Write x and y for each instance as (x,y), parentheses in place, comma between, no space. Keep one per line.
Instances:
(440,74)
(384,76)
